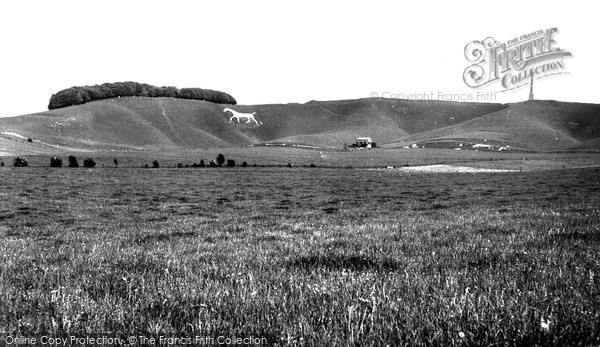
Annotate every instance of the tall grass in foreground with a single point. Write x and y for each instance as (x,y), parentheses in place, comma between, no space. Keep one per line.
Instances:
(332,257)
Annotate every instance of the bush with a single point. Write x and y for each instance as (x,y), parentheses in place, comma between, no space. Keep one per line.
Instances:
(2,164)
(116,162)
(81,95)
(73,161)
(155,164)
(29,139)
(20,162)
(201,163)
(220,159)
(230,162)
(56,162)
(213,164)
(89,162)
(244,164)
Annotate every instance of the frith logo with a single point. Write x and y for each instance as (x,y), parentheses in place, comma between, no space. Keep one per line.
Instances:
(514,62)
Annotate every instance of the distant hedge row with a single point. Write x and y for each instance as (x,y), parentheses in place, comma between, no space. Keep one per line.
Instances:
(81,95)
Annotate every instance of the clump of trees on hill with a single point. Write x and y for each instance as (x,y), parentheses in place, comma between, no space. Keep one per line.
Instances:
(81,95)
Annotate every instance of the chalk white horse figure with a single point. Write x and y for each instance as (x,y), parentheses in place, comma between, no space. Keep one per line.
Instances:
(237,115)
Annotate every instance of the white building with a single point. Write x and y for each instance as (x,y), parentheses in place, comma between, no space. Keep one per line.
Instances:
(365,142)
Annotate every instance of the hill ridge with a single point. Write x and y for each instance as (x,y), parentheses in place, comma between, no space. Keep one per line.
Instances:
(131,123)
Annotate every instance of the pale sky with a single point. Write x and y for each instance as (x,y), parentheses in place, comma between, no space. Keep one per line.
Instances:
(278,51)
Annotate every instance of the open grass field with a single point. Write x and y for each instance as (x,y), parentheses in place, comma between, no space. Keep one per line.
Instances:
(302,256)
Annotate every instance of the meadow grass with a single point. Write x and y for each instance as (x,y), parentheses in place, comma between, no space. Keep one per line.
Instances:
(303,256)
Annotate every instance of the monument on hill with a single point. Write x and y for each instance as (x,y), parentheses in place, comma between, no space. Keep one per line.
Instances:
(531,88)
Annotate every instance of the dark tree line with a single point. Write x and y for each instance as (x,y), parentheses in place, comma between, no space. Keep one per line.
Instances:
(81,95)
(219,161)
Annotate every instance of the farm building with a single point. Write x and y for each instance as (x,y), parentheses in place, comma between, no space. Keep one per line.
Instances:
(364,142)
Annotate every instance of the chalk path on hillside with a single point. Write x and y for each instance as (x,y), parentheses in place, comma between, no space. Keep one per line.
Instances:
(13,134)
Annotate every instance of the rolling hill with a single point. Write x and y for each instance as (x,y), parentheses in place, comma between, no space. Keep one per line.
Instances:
(142,123)
(532,125)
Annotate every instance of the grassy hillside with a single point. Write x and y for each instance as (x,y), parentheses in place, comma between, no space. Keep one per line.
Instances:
(537,125)
(141,123)
(147,123)
(333,123)
(131,123)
